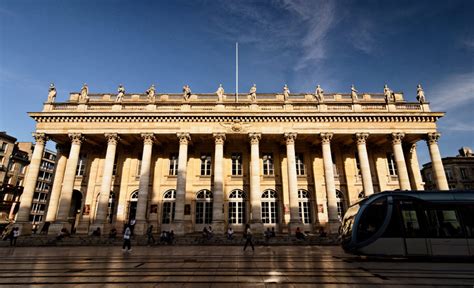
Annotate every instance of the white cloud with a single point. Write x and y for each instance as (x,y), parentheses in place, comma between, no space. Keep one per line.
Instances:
(455,91)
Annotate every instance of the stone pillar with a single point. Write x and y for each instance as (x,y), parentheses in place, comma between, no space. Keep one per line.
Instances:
(102,207)
(218,193)
(23,216)
(68,183)
(403,179)
(330,185)
(255,193)
(361,139)
(57,184)
(436,162)
(143,185)
(178,223)
(414,169)
(295,219)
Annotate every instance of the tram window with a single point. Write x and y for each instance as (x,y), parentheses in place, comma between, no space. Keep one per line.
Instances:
(411,222)
(468,219)
(372,220)
(393,229)
(444,223)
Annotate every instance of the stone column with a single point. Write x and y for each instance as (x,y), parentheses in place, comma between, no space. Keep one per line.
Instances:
(414,169)
(57,184)
(68,183)
(361,139)
(23,216)
(295,219)
(101,213)
(436,162)
(330,185)
(178,224)
(218,193)
(403,179)
(143,185)
(255,193)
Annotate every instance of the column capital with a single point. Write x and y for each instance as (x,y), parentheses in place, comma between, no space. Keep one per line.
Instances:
(397,137)
(40,138)
(326,137)
(184,138)
(432,138)
(255,137)
(112,138)
(148,138)
(219,138)
(76,138)
(361,138)
(290,137)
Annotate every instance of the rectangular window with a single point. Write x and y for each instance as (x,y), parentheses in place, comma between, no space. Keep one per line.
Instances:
(114,170)
(139,167)
(236,164)
(168,212)
(449,174)
(3,147)
(463,172)
(304,212)
(206,165)
(268,168)
(173,165)
(392,168)
(444,223)
(81,165)
(300,169)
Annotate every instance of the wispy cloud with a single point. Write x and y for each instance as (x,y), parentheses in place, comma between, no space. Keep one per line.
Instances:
(362,36)
(455,91)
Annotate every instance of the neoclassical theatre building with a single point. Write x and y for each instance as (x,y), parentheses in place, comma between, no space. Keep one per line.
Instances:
(185,161)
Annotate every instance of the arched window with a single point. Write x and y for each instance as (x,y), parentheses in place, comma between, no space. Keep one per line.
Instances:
(340,204)
(269,207)
(132,205)
(169,202)
(237,207)
(304,206)
(204,207)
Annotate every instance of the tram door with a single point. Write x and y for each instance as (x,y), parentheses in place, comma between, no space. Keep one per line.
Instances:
(414,224)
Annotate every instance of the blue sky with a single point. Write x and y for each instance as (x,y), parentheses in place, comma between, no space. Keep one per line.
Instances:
(301,43)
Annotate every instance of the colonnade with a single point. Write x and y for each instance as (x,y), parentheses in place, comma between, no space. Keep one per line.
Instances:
(63,185)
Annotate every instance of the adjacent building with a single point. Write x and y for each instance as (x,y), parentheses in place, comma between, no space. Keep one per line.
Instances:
(459,171)
(185,161)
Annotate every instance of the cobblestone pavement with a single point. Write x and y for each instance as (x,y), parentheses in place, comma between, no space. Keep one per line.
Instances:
(221,266)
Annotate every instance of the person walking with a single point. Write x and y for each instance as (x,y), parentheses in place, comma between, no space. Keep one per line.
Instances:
(149,234)
(14,235)
(126,240)
(248,237)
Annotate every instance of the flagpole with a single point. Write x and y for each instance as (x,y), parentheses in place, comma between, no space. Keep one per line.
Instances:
(236,71)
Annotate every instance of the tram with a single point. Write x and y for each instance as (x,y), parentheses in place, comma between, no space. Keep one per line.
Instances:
(411,223)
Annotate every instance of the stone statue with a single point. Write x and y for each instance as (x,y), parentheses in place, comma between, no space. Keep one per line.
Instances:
(151,93)
(253,93)
(220,93)
(319,93)
(420,94)
(121,93)
(186,92)
(286,92)
(388,94)
(84,96)
(353,93)
(52,93)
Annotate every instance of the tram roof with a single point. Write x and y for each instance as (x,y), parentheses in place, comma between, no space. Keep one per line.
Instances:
(434,196)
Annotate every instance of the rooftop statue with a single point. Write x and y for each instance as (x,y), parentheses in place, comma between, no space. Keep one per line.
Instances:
(319,93)
(121,93)
(220,93)
(84,96)
(52,93)
(151,93)
(286,92)
(186,92)
(388,94)
(353,93)
(253,93)
(420,94)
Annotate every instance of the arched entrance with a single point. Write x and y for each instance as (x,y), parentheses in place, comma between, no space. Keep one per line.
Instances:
(132,206)
(203,215)
(269,207)
(237,208)
(76,208)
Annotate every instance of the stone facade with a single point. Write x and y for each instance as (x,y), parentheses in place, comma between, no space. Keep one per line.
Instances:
(459,171)
(186,162)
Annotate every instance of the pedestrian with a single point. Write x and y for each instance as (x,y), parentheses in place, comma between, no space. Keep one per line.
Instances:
(132,226)
(230,233)
(14,235)
(299,235)
(248,237)
(96,232)
(171,237)
(126,240)
(268,234)
(149,234)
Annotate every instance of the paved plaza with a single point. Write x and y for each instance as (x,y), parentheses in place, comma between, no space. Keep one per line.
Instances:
(220,266)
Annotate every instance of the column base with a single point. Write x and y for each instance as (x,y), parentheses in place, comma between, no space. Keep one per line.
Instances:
(218,227)
(178,227)
(25,227)
(140,227)
(257,227)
